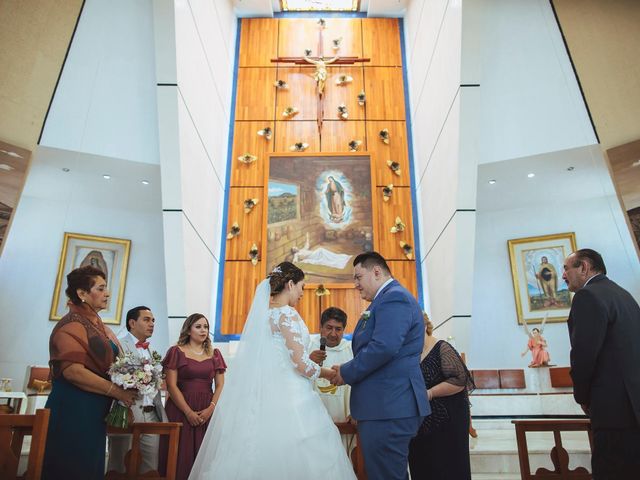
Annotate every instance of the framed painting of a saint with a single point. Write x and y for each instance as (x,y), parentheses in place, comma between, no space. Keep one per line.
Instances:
(536,267)
(319,214)
(110,255)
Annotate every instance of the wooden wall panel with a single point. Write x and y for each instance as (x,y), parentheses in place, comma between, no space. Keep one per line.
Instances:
(335,95)
(385,93)
(309,309)
(399,205)
(247,140)
(396,151)
(296,34)
(240,282)
(288,133)
(300,94)
(405,272)
(258,42)
(250,223)
(381,41)
(336,135)
(347,299)
(256,94)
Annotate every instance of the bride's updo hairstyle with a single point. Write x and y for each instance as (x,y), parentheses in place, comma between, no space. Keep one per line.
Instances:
(280,276)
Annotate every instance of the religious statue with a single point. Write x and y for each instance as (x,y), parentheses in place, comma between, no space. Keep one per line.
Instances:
(537,344)
(320,75)
(334,194)
(547,277)
(95,259)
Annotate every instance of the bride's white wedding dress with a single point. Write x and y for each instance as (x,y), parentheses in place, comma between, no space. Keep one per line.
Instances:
(270,424)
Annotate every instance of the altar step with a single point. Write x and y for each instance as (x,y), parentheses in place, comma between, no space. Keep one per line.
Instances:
(494,454)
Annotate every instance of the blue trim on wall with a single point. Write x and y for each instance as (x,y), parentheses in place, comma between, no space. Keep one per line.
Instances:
(414,200)
(320,15)
(217,335)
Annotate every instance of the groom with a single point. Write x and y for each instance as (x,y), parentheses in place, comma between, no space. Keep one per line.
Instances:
(388,394)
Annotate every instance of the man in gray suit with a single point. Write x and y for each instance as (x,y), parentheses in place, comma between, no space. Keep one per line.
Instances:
(140,324)
(604,328)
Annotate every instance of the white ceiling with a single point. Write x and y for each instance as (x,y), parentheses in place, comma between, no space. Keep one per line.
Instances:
(552,182)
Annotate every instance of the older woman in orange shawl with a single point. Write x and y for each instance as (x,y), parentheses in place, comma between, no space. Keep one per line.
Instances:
(81,350)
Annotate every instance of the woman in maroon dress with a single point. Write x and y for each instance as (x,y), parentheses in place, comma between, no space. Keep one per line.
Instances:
(191,366)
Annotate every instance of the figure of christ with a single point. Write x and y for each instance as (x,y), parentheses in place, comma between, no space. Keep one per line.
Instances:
(319,256)
(320,75)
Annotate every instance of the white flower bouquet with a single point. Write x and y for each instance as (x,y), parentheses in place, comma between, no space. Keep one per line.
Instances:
(131,372)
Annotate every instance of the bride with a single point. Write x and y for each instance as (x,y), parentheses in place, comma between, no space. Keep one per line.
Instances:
(269,423)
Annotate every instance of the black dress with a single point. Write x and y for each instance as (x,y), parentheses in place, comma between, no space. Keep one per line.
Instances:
(440,450)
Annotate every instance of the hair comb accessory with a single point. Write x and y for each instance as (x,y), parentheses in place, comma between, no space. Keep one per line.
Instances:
(276,270)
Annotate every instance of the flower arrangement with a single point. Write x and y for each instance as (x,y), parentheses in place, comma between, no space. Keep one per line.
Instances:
(130,372)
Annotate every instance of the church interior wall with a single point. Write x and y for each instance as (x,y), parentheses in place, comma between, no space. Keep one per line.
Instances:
(78,201)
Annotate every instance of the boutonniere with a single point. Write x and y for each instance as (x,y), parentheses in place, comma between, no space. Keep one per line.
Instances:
(365,317)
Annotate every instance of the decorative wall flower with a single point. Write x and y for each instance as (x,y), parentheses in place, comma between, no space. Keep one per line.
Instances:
(395,167)
(247,158)
(299,147)
(266,133)
(384,136)
(249,203)
(253,254)
(362,98)
(342,112)
(322,22)
(281,85)
(307,52)
(344,79)
(321,291)
(386,192)
(399,226)
(406,249)
(234,232)
(290,112)
(336,43)
(354,145)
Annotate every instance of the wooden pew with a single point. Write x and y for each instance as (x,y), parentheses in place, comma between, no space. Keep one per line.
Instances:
(13,429)
(357,459)
(133,457)
(559,456)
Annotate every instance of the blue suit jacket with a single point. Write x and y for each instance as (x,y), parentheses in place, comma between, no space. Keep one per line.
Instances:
(385,377)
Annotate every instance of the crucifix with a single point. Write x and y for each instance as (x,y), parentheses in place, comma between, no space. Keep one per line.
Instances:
(320,74)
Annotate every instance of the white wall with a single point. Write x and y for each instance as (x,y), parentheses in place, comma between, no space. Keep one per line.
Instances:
(195,50)
(105,103)
(79,201)
(554,201)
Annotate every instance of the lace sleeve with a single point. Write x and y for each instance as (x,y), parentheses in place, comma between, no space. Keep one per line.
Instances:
(453,369)
(290,329)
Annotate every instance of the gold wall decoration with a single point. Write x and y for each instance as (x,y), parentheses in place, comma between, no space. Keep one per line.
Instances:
(395,167)
(387,191)
(362,98)
(407,250)
(299,147)
(281,85)
(254,254)
(234,231)
(384,136)
(344,80)
(249,203)
(343,114)
(399,226)
(290,112)
(247,158)
(266,132)
(354,145)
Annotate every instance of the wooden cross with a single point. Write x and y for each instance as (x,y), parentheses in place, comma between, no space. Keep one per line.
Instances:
(320,75)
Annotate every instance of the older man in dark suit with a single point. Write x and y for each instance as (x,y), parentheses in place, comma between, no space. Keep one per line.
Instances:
(604,328)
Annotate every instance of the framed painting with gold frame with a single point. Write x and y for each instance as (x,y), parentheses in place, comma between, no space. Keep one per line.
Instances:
(111,255)
(536,268)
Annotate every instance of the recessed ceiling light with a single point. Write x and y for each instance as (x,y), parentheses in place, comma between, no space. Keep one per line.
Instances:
(106,177)
(531,175)
(145,182)
(5,167)
(570,169)
(491,182)
(65,170)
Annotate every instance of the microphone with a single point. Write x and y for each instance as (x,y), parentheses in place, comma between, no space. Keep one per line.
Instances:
(323,345)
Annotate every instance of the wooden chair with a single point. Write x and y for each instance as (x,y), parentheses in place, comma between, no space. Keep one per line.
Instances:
(559,456)
(133,457)
(13,429)
(357,459)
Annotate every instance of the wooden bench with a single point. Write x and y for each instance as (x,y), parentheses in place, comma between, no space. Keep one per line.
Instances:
(559,456)
(560,377)
(357,459)
(13,429)
(133,458)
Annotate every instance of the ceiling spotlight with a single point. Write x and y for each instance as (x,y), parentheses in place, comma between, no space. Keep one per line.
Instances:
(491,182)
(531,175)
(145,182)
(66,170)
(570,169)
(106,177)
